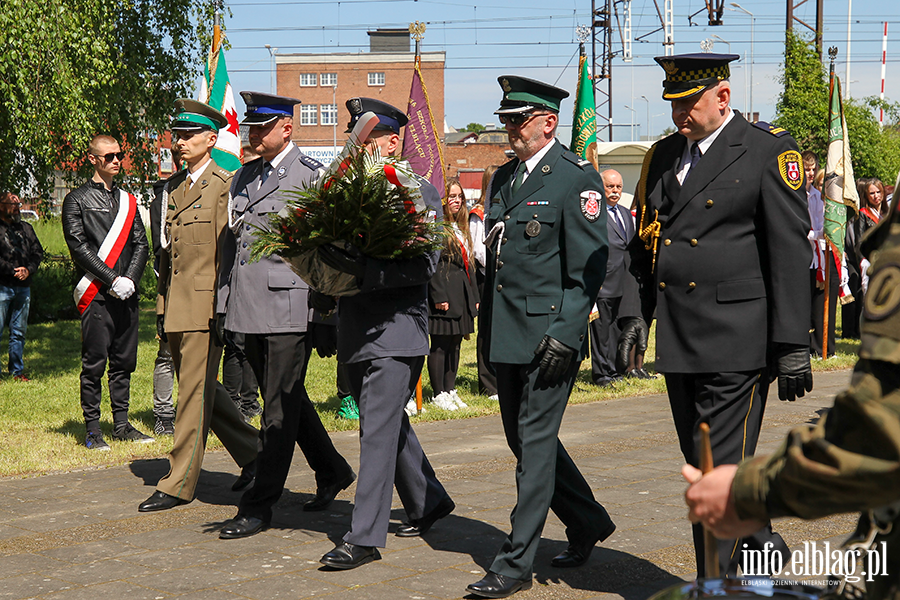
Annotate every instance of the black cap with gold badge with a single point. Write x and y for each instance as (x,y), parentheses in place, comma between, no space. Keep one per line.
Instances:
(191,115)
(521,95)
(390,118)
(689,74)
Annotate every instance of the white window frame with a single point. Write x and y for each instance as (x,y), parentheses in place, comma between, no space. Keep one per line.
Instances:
(376,79)
(327,110)
(309,112)
(307,79)
(322,79)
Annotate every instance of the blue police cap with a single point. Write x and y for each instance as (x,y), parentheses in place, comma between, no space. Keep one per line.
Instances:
(265,108)
(389,118)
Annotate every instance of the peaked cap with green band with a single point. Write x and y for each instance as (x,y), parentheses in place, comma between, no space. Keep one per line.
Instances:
(689,74)
(521,95)
(191,115)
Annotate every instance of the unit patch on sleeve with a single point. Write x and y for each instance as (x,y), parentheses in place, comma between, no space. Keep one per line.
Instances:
(590,204)
(790,169)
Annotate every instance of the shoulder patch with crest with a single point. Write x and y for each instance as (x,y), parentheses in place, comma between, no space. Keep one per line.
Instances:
(591,204)
(790,167)
(769,128)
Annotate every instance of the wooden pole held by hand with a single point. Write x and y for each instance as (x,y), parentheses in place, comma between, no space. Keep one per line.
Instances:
(710,545)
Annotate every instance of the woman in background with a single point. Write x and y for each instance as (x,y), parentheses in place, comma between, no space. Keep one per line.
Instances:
(452,299)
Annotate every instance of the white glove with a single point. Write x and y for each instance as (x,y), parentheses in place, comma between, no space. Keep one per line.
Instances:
(122,288)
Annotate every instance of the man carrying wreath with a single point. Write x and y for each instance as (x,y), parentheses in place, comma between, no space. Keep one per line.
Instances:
(383,340)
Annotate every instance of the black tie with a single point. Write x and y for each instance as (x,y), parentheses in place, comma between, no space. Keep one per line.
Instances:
(267,168)
(695,158)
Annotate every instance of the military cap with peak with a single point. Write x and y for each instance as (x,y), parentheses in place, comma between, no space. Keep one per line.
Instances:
(191,115)
(521,95)
(265,108)
(689,74)
(389,118)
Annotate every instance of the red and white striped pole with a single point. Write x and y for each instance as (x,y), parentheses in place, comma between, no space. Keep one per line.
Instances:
(883,69)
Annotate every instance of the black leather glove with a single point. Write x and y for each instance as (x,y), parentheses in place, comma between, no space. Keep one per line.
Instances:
(793,371)
(321,303)
(643,335)
(627,340)
(348,260)
(555,360)
(217,329)
(324,339)
(161,328)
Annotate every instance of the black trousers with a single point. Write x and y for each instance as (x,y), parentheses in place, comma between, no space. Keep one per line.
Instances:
(546,477)
(818,310)
(389,451)
(733,405)
(109,332)
(237,374)
(604,340)
(443,362)
(279,362)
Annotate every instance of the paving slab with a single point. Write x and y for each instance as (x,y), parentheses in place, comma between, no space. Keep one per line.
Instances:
(77,535)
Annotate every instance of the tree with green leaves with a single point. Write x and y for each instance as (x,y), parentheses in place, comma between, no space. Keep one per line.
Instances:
(802,109)
(474,127)
(70,69)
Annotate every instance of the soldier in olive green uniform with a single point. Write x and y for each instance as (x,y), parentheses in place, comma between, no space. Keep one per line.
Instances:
(850,459)
(193,216)
(547,255)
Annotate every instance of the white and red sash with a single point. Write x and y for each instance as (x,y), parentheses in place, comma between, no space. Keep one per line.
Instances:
(110,250)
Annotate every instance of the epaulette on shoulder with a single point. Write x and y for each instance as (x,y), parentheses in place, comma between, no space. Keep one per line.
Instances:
(769,128)
(576,160)
(225,174)
(310,162)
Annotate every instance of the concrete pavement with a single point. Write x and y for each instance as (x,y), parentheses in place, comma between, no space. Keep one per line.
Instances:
(79,536)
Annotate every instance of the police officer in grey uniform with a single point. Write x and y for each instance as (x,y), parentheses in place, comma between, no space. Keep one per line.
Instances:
(383,340)
(267,302)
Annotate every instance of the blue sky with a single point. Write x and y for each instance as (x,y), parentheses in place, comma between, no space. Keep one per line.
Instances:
(537,39)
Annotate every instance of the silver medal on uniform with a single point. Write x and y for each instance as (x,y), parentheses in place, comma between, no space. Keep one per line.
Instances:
(532,229)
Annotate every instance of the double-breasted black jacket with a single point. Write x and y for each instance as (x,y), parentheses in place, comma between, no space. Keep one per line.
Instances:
(731,272)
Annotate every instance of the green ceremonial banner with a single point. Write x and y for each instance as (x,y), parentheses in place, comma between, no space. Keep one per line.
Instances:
(215,90)
(840,184)
(584,123)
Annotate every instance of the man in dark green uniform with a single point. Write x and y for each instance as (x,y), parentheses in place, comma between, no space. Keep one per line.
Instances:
(722,258)
(850,459)
(547,253)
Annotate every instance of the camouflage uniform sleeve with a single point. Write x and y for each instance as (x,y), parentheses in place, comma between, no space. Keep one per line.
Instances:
(848,461)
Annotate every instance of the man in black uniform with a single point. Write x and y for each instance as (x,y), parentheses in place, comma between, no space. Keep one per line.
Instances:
(382,342)
(723,258)
(546,260)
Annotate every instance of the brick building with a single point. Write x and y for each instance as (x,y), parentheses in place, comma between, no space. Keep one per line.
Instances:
(324,82)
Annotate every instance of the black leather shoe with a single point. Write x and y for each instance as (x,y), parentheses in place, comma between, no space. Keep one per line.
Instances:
(644,374)
(349,556)
(579,552)
(326,495)
(160,501)
(419,526)
(245,479)
(241,527)
(495,585)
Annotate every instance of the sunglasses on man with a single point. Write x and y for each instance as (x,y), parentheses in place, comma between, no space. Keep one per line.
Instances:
(109,156)
(517,120)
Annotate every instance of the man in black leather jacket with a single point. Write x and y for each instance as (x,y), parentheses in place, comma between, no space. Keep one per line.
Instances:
(106,239)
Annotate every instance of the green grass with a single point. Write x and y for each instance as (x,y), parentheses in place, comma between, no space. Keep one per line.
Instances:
(44,429)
